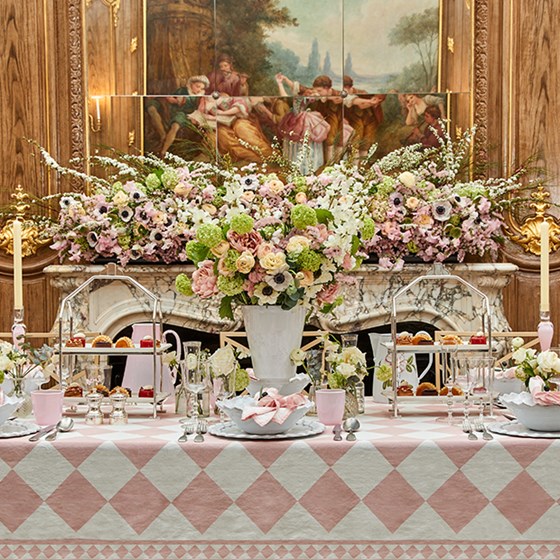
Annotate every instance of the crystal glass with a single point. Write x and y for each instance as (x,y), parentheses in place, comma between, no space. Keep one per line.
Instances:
(349,340)
(448,375)
(481,389)
(463,372)
(224,388)
(192,375)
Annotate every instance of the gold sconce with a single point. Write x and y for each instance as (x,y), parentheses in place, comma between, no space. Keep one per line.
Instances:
(95,123)
(527,232)
(32,236)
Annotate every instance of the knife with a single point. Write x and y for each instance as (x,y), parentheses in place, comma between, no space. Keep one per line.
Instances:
(42,432)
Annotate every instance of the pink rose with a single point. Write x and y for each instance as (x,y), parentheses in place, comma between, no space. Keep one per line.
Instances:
(318,234)
(246,242)
(204,280)
(328,293)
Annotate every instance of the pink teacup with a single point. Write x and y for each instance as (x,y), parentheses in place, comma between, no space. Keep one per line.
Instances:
(47,406)
(330,406)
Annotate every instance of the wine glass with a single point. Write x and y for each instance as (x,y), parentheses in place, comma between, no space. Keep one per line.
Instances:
(224,389)
(449,382)
(191,378)
(464,376)
(483,372)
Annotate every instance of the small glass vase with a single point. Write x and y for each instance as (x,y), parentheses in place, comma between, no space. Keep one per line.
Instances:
(18,390)
(351,405)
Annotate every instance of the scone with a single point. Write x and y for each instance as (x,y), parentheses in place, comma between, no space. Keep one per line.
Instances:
(74,390)
(422,338)
(102,341)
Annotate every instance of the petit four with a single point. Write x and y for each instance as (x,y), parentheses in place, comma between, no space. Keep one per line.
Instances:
(426,389)
(74,390)
(76,342)
(124,342)
(456,391)
(405,390)
(422,338)
(122,390)
(477,338)
(404,338)
(147,391)
(102,341)
(451,339)
(99,388)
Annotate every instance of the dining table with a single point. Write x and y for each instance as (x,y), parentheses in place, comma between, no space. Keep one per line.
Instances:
(409,487)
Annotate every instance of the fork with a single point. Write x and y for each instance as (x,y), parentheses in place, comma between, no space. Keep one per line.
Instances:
(189,429)
(467,428)
(201,429)
(480,426)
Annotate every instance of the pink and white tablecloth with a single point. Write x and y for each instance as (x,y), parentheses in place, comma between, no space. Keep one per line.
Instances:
(408,488)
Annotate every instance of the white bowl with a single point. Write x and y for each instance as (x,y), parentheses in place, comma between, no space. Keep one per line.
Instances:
(533,416)
(234,409)
(8,408)
(505,385)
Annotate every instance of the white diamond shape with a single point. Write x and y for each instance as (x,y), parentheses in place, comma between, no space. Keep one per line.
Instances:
(483,470)
(107,523)
(107,469)
(298,469)
(489,524)
(171,523)
(353,524)
(42,525)
(234,525)
(298,521)
(166,466)
(4,469)
(234,470)
(44,469)
(539,469)
(373,467)
(540,531)
(424,519)
(426,481)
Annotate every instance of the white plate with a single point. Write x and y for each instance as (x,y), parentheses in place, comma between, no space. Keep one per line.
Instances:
(16,428)
(303,428)
(519,430)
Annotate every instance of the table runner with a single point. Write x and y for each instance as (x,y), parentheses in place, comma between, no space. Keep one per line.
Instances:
(407,488)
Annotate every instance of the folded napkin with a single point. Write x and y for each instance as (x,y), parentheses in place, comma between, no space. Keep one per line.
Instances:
(540,396)
(273,407)
(508,373)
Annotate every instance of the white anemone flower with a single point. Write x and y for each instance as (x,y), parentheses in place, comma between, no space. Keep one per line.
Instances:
(280,280)
(266,294)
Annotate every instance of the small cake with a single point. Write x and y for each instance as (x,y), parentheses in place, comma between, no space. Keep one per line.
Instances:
(147,342)
(146,392)
(405,390)
(455,391)
(451,339)
(119,389)
(404,339)
(426,389)
(74,390)
(422,338)
(124,342)
(102,341)
(76,342)
(99,388)
(477,338)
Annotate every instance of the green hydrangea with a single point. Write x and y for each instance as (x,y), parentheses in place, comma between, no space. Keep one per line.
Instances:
(368,228)
(195,251)
(455,220)
(169,178)
(303,216)
(152,182)
(209,235)
(241,380)
(268,231)
(336,380)
(117,186)
(242,224)
(309,260)
(230,285)
(412,247)
(183,285)
(386,187)
(300,184)
(230,260)
(124,240)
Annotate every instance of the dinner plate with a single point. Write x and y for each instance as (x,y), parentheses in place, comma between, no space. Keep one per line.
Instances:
(303,428)
(16,428)
(519,430)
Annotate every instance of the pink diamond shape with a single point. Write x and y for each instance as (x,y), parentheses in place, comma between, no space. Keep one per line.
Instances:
(139,455)
(131,500)
(202,502)
(203,455)
(266,454)
(526,454)
(16,452)
(329,500)
(523,502)
(397,452)
(329,453)
(76,512)
(393,501)
(18,501)
(77,454)
(265,502)
(459,454)
(454,491)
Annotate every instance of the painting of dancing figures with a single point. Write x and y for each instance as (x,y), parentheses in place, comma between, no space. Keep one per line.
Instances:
(309,81)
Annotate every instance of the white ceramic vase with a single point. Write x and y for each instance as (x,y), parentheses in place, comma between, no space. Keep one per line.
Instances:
(272,334)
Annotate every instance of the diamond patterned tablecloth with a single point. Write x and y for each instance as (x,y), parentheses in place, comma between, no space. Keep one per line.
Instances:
(407,488)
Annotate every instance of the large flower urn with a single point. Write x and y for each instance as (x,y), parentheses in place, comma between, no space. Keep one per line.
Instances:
(272,334)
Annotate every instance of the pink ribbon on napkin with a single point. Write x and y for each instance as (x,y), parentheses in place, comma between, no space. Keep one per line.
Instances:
(544,398)
(273,407)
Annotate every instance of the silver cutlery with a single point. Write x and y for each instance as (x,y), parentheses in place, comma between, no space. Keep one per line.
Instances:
(479,426)
(188,430)
(467,428)
(64,425)
(201,429)
(42,432)
(351,425)
(337,433)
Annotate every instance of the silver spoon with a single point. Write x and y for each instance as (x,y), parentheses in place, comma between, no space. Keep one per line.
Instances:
(351,425)
(64,425)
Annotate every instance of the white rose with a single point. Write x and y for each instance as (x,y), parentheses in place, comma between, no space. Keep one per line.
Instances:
(120,199)
(547,360)
(191,361)
(5,363)
(297,244)
(519,355)
(348,370)
(407,179)
(517,342)
(223,361)
(297,356)
(353,355)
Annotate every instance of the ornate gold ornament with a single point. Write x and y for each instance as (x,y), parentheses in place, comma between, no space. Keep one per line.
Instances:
(527,232)
(32,238)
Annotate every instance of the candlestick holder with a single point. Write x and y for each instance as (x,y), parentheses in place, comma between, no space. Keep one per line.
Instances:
(545,331)
(18,328)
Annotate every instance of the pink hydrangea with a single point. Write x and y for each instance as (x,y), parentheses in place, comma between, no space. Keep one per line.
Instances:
(204,280)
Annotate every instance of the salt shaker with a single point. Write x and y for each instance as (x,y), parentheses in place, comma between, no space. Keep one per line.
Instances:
(118,413)
(94,415)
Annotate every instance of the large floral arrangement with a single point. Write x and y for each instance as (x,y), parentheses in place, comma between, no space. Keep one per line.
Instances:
(274,236)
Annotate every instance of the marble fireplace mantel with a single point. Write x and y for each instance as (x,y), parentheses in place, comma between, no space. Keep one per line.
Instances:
(110,307)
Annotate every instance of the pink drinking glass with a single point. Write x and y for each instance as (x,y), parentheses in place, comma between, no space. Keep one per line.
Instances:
(47,406)
(330,406)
